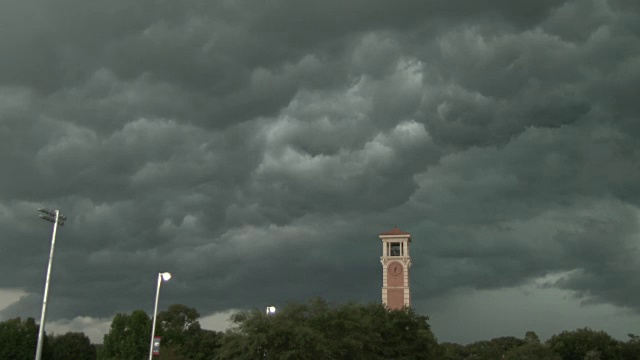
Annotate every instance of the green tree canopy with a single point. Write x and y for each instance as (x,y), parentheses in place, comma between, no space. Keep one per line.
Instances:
(177,324)
(128,338)
(530,337)
(453,351)
(19,338)
(630,350)
(182,336)
(492,349)
(575,345)
(72,346)
(531,351)
(317,331)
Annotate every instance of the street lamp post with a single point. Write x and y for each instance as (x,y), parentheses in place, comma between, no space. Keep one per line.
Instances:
(56,218)
(161,276)
(271,310)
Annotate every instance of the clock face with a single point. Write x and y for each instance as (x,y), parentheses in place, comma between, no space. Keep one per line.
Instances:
(395,269)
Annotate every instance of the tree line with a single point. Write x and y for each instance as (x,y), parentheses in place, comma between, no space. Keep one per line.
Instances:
(315,330)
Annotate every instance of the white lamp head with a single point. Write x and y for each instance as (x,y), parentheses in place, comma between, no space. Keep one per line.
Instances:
(271,310)
(166,276)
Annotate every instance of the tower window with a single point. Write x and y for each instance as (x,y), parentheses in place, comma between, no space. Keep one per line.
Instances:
(395,249)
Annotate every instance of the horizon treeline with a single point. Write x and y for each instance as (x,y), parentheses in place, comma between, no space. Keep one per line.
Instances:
(315,330)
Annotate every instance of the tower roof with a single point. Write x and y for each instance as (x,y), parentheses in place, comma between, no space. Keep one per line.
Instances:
(395,231)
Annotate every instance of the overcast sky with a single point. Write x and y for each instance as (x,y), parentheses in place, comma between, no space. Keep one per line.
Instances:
(256,149)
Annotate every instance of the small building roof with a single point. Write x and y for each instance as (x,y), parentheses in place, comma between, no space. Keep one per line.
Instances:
(395,231)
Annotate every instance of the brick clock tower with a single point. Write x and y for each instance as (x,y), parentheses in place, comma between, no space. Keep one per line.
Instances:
(395,268)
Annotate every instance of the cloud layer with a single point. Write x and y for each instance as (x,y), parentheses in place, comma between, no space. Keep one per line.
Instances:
(256,150)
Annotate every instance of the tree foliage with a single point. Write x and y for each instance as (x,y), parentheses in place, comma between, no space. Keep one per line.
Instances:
(630,350)
(532,351)
(530,337)
(72,346)
(453,351)
(317,331)
(507,348)
(19,338)
(492,349)
(128,338)
(182,336)
(575,345)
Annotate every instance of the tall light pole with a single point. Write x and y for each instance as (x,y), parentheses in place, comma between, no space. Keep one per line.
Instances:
(161,276)
(271,310)
(56,218)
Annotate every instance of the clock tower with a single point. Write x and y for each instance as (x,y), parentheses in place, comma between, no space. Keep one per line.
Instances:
(395,268)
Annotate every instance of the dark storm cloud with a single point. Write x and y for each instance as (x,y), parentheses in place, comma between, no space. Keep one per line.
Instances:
(214,63)
(255,150)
